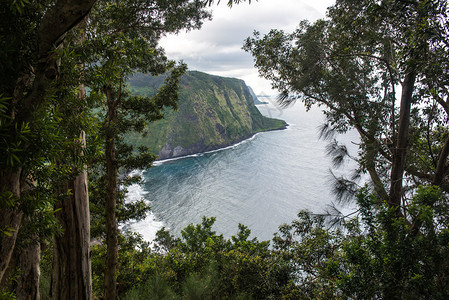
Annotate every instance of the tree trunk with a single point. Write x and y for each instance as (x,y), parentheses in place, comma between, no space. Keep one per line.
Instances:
(71,275)
(27,287)
(400,151)
(10,219)
(57,21)
(23,273)
(76,230)
(110,274)
(441,169)
(397,173)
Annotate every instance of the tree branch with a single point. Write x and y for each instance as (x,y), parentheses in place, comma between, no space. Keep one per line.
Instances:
(441,169)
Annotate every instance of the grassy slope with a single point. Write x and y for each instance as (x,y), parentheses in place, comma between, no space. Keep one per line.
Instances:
(213,112)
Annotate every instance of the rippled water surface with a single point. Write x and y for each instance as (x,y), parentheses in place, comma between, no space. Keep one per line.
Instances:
(261,183)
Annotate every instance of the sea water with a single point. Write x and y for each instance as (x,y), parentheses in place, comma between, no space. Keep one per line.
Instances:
(262,182)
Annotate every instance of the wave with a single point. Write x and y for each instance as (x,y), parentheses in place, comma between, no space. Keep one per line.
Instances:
(233,146)
(151,225)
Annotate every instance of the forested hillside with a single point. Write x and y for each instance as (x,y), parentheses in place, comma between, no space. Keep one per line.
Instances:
(213,112)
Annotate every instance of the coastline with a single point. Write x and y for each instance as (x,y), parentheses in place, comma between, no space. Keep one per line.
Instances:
(212,149)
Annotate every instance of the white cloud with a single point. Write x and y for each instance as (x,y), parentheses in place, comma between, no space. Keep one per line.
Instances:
(216,48)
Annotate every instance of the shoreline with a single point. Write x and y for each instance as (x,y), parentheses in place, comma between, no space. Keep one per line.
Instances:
(218,148)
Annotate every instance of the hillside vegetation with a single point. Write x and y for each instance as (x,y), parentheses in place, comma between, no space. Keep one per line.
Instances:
(213,112)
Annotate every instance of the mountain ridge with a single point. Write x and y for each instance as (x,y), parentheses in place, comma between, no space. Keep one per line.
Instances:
(213,112)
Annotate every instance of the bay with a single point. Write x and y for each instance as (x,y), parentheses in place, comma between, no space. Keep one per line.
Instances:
(261,182)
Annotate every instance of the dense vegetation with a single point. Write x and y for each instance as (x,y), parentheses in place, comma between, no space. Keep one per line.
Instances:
(213,112)
(52,132)
(306,259)
(379,68)
(62,151)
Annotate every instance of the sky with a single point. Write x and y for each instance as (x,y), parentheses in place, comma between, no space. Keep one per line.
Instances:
(217,47)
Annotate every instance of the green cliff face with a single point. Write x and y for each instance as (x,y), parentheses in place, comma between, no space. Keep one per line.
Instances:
(214,112)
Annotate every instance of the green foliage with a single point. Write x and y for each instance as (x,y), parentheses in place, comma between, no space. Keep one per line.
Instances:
(404,261)
(134,261)
(42,106)
(198,286)
(213,112)
(308,260)
(122,38)
(4,295)
(351,64)
(5,292)
(45,266)
(204,265)
(155,288)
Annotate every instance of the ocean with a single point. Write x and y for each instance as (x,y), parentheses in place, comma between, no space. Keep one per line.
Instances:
(261,182)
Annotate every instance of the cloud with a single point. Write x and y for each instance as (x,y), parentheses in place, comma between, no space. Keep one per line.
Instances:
(216,48)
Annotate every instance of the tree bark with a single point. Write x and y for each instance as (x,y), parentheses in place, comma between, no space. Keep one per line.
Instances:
(27,287)
(110,274)
(400,150)
(79,211)
(379,186)
(71,275)
(10,219)
(57,21)
(396,178)
(23,273)
(441,169)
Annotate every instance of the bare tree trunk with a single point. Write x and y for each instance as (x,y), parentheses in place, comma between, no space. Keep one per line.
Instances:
(397,174)
(76,230)
(10,222)
(400,151)
(110,273)
(441,169)
(28,259)
(71,275)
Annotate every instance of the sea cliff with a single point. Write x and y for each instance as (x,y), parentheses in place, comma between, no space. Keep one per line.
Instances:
(213,112)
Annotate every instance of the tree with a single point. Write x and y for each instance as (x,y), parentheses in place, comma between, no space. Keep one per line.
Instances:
(71,253)
(31,43)
(124,38)
(352,65)
(361,261)
(127,42)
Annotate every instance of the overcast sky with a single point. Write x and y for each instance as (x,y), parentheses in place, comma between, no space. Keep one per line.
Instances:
(217,47)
